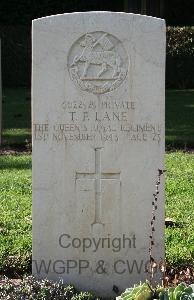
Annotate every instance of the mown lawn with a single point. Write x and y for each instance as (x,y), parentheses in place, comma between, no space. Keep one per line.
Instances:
(180,207)
(179,117)
(15,217)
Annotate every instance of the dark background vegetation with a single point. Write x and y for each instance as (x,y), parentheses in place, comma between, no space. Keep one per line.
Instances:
(15,32)
(21,12)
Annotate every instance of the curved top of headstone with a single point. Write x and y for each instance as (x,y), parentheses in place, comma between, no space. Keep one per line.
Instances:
(97,13)
(97,52)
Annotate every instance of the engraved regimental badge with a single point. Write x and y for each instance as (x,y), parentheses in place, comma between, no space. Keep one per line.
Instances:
(97,62)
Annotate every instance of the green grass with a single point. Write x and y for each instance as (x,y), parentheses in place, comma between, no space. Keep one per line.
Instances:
(179,117)
(15,217)
(180,207)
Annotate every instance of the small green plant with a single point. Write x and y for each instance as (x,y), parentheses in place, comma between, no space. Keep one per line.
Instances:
(138,292)
(181,292)
(146,292)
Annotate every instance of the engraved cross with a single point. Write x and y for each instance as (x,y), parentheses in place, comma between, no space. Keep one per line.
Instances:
(98,176)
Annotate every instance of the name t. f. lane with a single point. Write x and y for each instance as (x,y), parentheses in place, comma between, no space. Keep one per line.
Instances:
(98,116)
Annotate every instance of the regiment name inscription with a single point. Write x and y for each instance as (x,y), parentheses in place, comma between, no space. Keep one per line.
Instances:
(109,121)
(72,132)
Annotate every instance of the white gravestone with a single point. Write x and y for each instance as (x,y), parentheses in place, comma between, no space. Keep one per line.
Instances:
(98,141)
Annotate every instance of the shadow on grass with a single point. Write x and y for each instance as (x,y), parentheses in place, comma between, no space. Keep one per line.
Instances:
(16,136)
(19,162)
(16,108)
(180,118)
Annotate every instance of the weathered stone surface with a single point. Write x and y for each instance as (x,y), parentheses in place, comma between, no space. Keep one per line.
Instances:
(98,141)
